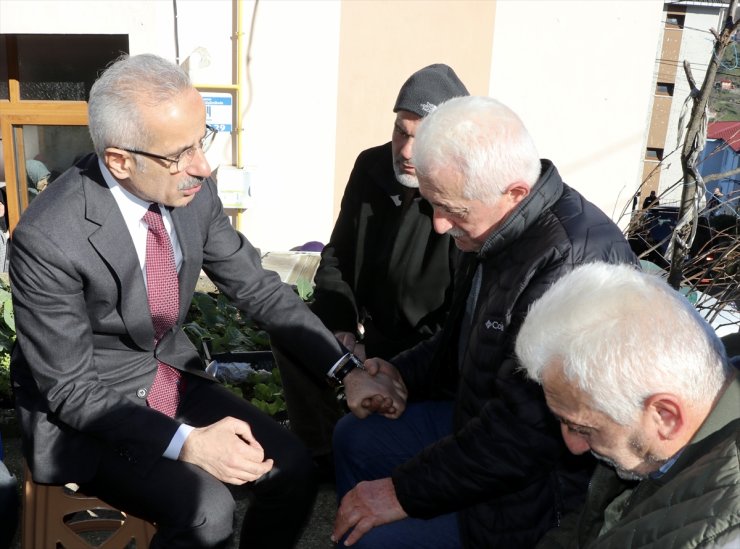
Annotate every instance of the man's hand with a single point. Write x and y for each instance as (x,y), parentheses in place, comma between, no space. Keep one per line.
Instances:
(375,366)
(378,365)
(227,450)
(367,505)
(359,351)
(347,339)
(378,393)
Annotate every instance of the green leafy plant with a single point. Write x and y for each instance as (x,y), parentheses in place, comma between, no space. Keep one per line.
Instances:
(215,326)
(265,390)
(304,289)
(7,340)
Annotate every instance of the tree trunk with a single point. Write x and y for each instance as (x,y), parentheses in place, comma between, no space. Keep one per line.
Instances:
(685,230)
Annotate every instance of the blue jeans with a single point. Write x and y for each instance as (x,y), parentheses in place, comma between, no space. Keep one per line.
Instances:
(369,449)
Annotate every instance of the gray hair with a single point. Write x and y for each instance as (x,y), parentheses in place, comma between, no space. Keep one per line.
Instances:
(622,335)
(482,139)
(116,98)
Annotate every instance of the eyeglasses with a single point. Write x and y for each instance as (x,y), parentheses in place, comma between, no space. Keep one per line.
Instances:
(182,161)
(454,212)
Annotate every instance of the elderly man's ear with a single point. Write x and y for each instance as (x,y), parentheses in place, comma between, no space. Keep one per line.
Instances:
(118,162)
(516,192)
(666,414)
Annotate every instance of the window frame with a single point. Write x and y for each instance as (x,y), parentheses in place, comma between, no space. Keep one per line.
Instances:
(16,113)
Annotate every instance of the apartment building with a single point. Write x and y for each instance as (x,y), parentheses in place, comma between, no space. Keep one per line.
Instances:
(686,37)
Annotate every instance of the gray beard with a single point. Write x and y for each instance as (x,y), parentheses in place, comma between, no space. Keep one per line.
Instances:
(624,474)
(405,179)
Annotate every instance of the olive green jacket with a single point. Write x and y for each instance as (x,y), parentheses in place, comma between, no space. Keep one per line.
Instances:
(695,504)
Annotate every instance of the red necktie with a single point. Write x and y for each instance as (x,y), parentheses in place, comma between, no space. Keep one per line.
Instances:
(164,305)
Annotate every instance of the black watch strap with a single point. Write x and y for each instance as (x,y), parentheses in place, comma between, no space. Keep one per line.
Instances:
(343,367)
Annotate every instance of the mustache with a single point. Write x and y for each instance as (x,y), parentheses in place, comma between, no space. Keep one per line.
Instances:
(400,163)
(189,183)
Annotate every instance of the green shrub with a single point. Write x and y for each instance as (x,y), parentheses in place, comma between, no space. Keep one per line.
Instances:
(7,339)
(215,326)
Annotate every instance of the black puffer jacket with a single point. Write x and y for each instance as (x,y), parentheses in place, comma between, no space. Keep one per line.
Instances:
(506,469)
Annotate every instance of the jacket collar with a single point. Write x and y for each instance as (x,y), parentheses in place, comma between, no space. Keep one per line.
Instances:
(182,221)
(545,192)
(726,410)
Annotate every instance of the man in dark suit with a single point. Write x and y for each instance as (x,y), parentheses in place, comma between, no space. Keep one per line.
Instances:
(92,359)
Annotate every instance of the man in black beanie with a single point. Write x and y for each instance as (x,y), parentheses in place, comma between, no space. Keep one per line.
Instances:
(382,284)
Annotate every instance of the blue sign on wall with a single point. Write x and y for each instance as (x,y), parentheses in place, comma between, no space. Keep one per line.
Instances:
(219,110)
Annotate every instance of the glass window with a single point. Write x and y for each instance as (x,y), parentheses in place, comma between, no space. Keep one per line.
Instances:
(674,21)
(4,90)
(46,152)
(54,67)
(653,154)
(664,88)
(45,81)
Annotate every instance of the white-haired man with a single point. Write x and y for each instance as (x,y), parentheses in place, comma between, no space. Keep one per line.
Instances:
(663,417)
(476,460)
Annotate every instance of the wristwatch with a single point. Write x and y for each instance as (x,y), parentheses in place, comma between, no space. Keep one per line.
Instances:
(345,365)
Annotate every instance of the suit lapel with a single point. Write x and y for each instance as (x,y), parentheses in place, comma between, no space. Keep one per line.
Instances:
(189,241)
(110,237)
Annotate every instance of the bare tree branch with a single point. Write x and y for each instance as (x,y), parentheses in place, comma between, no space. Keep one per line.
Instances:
(723,175)
(692,146)
(690,77)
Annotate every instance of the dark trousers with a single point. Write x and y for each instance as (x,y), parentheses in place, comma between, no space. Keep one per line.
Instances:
(8,506)
(369,449)
(193,509)
(313,409)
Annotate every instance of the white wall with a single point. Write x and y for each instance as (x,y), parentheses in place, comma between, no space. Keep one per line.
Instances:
(290,127)
(148,21)
(580,74)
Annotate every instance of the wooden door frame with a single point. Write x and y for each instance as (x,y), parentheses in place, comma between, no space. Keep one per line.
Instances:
(15,113)
(38,113)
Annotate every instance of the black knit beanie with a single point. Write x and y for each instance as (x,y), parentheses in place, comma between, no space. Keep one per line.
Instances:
(427,88)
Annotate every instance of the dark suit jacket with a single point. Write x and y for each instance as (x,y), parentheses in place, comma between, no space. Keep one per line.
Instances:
(85,356)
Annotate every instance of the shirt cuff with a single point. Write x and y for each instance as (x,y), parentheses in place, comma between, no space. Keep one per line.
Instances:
(178,441)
